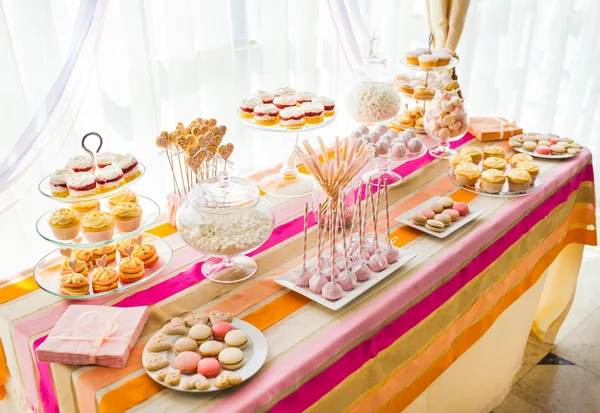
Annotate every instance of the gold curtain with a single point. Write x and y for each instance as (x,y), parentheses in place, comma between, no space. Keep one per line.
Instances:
(446,21)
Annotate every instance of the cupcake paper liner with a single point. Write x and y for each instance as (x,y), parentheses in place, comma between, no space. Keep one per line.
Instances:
(100,235)
(65,234)
(124,226)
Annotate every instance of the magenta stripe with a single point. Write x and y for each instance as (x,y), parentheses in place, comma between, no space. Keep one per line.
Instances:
(193,275)
(311,391)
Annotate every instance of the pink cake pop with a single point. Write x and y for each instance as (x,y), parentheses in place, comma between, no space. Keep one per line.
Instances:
(362,271)
(303,276)
(392,254)
(377,262)
(318,279)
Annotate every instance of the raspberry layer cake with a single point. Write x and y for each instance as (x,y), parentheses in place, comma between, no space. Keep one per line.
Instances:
(82,184)
(285,91)
(81,163)
(313,112)
(266,115)
(109,177)
(302,97)
(58,182)
(284,101)
(264,96)
(129,165)
(103,159)
(247,107)
(328,105)
(291,118)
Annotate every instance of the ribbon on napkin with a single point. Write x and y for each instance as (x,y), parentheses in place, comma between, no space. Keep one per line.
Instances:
(110,328)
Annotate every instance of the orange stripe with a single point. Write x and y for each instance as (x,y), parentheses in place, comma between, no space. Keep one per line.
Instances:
(18,289)
(162,230)
(276,310)
(142,386)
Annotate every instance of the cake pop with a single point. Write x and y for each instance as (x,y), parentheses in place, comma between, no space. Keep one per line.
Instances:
(332,290)
(303,276)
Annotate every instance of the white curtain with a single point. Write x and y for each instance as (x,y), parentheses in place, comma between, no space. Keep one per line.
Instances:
(160,62)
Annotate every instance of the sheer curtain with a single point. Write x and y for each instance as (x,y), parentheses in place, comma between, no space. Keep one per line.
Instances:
(159,62)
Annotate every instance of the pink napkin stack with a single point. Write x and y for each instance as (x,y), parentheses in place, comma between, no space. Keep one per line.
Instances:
(90,334)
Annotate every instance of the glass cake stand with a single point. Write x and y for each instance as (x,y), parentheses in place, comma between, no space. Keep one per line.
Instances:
(383,168)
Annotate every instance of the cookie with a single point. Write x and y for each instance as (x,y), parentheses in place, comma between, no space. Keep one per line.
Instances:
(198,382)
(154,362)
(169,376)
(193,319)
(217,316)
(159,342)
(227,379)
(446,202)
(161,375)
(185,344)
(436,207)
(236,338)
(201,333)
(211,348)
(434,225)
(174,327)
(419,219)
(231,358)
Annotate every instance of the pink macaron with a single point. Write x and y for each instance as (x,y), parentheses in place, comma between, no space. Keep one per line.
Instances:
(187,361)
(427,212)
(461,207)
(543,150)
(452,213)
(554,141)
(220,329)
(209,367)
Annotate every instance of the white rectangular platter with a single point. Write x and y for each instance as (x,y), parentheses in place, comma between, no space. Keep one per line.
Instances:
(287,280)
(454,226)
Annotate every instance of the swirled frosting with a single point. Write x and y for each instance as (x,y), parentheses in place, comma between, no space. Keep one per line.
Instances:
(104,274)
(471,151)
(493,176)
(531,167)
(459,158)
(519,176)
(127,210)
(493,150)
(124,196)
(495,163)
(97,219)
(520,157)
(132,263)
(64,217)
(73,278)
(468,169)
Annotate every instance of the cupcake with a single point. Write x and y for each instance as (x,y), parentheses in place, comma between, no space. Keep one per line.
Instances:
(443,57)
(285,101)
(412,57)
(467,173)
(474,152)
(313,112)
(518,180)
(427,61)
(492,180)
(285,91)
(266,115)
(531,167)
(58,182)
(126,195)
(493,151)
(83,208)
(104,159)
(82,184)
(328,105)
(147,253)
(131,270)
(302,97)
(495,163)
(73,283)
(109,250)
(123,244)
(291,118)
(80,268)
(108,178)
(129,166)
(518,158)
(83,255)
(264,96)
(81,163)
(128,216)
(457,159)
(64,223)
(105,279)
(98,226)
(247,107)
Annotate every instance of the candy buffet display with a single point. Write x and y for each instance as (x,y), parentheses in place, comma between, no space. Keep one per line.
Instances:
(204,352)
(545,145)
(225,217)
(439,216)
(487,171)
(351,267)
(91,273)
(445,120)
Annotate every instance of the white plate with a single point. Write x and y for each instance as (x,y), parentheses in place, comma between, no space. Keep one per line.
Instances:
(287,280)
(255,355)
(454,226)
(538,155)
(453,62)
(328,120)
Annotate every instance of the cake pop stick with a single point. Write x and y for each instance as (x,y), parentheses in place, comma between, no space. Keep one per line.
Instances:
(319,237)
(387,213)
(332,242)
(342,212)
(374,212)
(305,236)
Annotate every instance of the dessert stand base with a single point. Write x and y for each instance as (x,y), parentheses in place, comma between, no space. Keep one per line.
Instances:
(228,270)
(441,152)
(378,176)
(288,185)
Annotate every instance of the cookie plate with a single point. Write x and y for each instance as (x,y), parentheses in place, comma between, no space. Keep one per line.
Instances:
(538,155)
(255,355)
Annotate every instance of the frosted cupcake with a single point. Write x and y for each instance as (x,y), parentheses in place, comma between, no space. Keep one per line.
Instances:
(457,159)
(126,195)
(495,163)
(493,151)
(427,61)
(83,208)
(474,152)
(518,158)
(518,180)
(467,173)
(412,57)
(98,226)
(531,167)
(64,223)
(128,216)
(492,180)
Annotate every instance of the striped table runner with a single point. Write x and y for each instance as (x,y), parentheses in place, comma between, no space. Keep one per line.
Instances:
(380,352)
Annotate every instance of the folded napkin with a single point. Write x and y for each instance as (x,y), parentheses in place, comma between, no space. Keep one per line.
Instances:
(493,129)
(91,334)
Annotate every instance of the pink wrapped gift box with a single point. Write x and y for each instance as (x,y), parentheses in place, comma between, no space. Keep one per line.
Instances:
(90,334)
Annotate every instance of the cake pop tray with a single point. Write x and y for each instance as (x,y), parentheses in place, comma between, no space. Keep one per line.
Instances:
(255,355)
(287,280)
(539,155)
(454,226)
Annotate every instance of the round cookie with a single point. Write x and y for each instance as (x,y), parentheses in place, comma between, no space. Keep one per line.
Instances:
(461,207)
(209,367)
(419,219)
(211,348)
(435,225)
(236,338)
(185,344)
(187,362)
(231,358)
(446,202)
(200,333)
(220,329)
(443,218)
(436,207)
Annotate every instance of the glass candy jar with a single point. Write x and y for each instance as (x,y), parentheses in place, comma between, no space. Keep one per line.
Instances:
(446,120)
(225,218)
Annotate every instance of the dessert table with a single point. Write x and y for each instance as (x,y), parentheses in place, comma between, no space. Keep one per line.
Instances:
(446,332)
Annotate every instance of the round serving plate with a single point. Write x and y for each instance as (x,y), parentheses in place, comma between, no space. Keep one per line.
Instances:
(537,155)
(410,96)
(397,126)
(150,213)
(505,193)
(47,271)
(44,187)
(255,355)
(328,120)
(453,63)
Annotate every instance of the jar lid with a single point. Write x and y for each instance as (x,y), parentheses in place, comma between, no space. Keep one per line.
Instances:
(224,192)
(374,66)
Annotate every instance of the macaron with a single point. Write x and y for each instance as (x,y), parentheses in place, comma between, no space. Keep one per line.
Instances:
(435,225)
(543,150)
(211,348)
(418,219)
(558,149)
(443,218)
(231,358)
(220,329)
(200,333)
(452,213)
(236,338)
(209,367)
(427,212)
(187,361)
(530,146)
(185,344)
(436,207)
(461,207)
(446,202)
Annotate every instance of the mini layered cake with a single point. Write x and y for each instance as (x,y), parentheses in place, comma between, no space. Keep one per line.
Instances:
(109,177)
(302,97)
(284,101)
(313,112)
(104,159)
(292,117)
(81,163)
(264,96)
(82,184)
(58,182)
(328,105)
(266,115)
(129,166)
(285,91)
(247,107)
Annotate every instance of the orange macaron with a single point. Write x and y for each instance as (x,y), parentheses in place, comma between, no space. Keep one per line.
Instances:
(147,253)
(74,283)
(131,269)
(105,279)
(109,250)
(81,268)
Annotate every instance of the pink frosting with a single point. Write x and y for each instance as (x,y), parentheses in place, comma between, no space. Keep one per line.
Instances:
(392,255)
(543,150)
(362,272)
(452,213)
(332,291)
(377,262)
(209,367)
(187,361)
(302,277)
(461,207)
(347,280)
(316,283)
